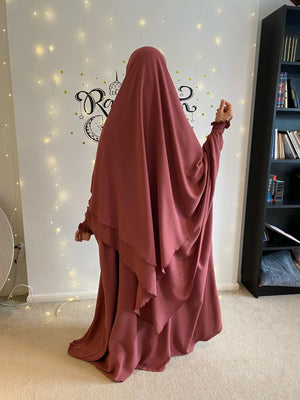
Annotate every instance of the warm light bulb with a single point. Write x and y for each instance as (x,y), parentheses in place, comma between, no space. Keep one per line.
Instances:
(39,50)
(218,41)
(142,22)
(52,161)
(49,15)
(81,35)
(57,78)
(58,229)
(46,140)
(51,48)
(199,26)
(62,195)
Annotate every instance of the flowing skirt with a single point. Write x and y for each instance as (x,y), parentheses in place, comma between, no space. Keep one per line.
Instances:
(119,340)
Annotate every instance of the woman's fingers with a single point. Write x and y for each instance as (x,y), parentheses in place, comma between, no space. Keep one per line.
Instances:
(86,236)
(80,236)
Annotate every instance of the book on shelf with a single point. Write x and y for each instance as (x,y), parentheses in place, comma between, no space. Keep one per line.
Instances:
(275,190)
(285,144)
(280,232)
(289,48)
(287,96)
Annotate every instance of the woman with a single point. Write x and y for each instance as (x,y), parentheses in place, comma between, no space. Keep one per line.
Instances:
(151,214)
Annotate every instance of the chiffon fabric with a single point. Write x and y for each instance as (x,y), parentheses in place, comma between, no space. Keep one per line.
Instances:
(151,213)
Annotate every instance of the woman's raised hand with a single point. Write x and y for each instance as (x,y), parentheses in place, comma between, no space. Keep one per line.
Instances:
(224,112)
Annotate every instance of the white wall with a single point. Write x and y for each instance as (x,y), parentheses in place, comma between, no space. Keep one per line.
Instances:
(10,198)
(90,40)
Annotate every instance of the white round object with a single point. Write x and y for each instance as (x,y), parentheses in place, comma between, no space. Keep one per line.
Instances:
(6,248)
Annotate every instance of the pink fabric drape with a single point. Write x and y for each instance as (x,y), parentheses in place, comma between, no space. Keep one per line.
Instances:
(151,214)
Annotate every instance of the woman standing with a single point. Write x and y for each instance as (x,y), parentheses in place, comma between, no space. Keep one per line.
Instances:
(151,214)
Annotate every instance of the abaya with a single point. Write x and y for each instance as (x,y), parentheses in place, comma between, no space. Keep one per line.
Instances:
(151,213)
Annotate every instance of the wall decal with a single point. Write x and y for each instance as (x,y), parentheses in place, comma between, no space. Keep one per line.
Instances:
(97,103)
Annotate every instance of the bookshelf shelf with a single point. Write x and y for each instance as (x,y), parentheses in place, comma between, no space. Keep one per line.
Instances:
(288,110)
(266,119)
(284,205)
(291,64)
(295,161)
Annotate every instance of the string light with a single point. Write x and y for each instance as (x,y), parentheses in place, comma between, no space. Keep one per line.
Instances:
(82,36)
(39,50)
(57,78)
(49,15)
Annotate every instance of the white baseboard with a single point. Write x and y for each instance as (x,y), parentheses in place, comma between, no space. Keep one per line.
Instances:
(228,286)
(43,298)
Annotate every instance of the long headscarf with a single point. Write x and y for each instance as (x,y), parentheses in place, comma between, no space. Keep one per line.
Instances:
(152,183)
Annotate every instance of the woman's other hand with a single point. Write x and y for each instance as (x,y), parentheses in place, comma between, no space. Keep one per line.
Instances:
(80,236)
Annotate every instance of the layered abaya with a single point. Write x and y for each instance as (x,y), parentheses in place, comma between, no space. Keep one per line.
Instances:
(151,213)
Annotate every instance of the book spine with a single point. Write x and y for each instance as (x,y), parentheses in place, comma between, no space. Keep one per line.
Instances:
(285,40)
(280,91)
(289,48)
(285,91)
(294,143)
(274,154)
(269,191)
(279,192)
(295,44)
(291,96)
(289,151)
(297,105)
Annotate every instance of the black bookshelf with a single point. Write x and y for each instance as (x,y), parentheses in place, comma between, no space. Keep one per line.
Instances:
(267,118)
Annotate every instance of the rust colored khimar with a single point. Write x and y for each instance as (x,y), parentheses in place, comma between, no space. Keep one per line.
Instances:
(151,213)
